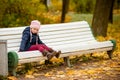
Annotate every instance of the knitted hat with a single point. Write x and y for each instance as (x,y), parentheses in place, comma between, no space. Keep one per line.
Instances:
(35,24)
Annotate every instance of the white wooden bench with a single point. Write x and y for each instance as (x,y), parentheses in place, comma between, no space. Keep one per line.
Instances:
(72,38)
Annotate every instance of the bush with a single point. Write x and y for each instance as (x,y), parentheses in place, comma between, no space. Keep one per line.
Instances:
(84,6)
(20,13)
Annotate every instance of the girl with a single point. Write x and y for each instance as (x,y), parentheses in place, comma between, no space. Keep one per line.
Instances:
(31,41)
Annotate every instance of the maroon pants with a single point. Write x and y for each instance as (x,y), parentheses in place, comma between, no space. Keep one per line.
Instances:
(40,47)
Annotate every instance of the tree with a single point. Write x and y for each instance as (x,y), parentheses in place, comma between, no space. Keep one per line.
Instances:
(65,6)
(101,17)
(111,12)
(3,6)
(46,3)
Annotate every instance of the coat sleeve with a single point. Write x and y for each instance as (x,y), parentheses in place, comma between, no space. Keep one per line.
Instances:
(25,39)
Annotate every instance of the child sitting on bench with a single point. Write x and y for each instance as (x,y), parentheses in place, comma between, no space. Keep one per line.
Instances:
(31,41)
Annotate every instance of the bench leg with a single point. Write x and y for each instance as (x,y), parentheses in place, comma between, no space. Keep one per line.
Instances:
(67,61)
(111,51)
(48,62)
(12,62)
(12,72)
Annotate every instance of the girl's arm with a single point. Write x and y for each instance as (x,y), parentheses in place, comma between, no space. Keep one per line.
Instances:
(25,39)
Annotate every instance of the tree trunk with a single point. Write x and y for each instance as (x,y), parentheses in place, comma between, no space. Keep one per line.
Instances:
(111,12)
(65,6)
(47,3)
(101,17)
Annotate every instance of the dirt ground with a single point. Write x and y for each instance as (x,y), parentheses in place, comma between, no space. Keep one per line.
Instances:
(90,69)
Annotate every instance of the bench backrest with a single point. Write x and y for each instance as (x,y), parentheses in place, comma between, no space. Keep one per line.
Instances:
(51,34)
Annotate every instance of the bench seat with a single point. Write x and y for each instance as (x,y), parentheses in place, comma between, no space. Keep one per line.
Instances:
(70,48)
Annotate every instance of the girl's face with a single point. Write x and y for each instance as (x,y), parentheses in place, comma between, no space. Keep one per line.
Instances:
(34,30)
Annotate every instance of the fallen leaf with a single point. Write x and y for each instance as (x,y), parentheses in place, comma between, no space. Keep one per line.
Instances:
(61,76)
(12,78)
(84,64)
(60,72)
(36,74)
(47,74)
(117,69)
(107,68)
(30,72)
(108,73)
(29,76)
(70,72)
(91,71)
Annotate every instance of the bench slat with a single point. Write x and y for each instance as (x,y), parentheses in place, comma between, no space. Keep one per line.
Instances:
(14,31)
(81,52)
(18,35)
(64,31)
(29,60)
(29,54)
(15,47)
(64,26)
(45,28)
(71,41)
(12,38)
(66,35)
(56,40)
(94,43)
(72,47)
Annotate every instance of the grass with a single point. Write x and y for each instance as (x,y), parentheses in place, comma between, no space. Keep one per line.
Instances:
(88,18)
(81,17)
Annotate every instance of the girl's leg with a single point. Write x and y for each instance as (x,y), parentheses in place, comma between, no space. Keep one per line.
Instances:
(32,48)
(36,47)
(41,49)
(45,47)
(56,54)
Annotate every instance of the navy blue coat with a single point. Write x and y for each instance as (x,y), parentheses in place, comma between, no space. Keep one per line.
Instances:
(28,39)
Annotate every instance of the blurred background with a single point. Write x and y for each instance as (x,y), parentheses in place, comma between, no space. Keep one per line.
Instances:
(15,13)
